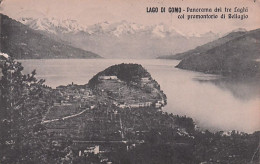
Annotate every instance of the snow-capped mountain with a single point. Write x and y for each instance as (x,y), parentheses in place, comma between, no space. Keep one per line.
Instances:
(52,25)
(55,26)
(120,39)
(163,31)
(117,29)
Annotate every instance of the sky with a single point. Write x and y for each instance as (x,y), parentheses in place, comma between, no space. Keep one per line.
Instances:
(88,12)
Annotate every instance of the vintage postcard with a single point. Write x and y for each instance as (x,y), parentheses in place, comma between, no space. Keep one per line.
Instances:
(129,81)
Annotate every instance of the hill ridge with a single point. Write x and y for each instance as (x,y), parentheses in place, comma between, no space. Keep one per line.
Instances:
(236,57)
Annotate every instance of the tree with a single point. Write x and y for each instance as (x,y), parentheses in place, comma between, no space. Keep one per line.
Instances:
(22,106)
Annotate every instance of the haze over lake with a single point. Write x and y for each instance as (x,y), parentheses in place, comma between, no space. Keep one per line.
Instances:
(212,101)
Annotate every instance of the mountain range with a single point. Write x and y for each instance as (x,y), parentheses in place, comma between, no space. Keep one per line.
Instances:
(55,26)
(22,42)
(121,39)
(236,55)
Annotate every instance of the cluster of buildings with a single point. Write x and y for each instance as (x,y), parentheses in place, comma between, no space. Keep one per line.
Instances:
(124,97)
(157,104)
(71,94)
(108,78)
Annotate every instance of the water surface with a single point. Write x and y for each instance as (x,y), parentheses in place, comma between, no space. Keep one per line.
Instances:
(212,101)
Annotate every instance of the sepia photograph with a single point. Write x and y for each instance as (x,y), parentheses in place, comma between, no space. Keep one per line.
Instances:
(129,82)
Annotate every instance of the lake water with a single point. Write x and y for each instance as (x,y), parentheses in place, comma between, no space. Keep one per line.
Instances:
(212,101)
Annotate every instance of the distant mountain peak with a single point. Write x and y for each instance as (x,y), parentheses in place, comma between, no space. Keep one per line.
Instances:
(125,27)
(239,30)
(52,25)
(163,30)
(210,34)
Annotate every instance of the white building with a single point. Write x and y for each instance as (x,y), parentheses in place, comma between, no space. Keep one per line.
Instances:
(141,104)
(158,105)
(92,106)
(145,79)
(122,106)
(94,149)
(133,105)
(108,77)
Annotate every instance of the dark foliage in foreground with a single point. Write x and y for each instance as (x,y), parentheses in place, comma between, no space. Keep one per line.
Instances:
(24,101)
